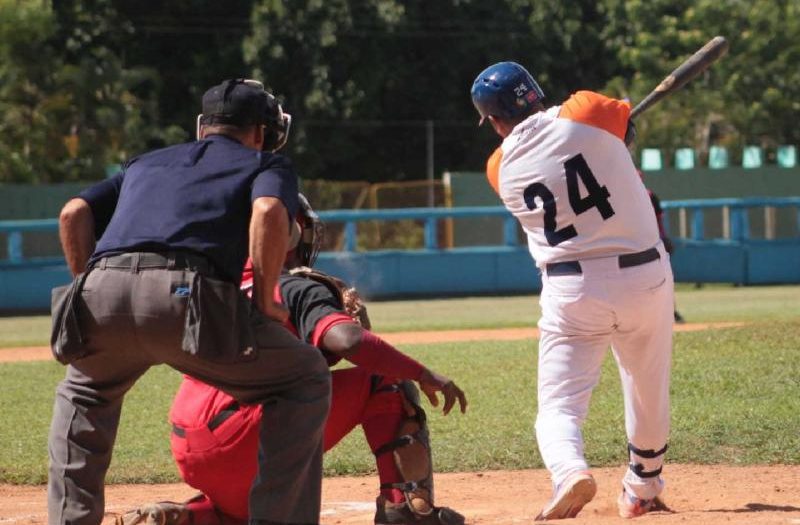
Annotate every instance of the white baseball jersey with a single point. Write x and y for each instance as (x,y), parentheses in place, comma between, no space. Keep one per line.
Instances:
(568,177)
(566,174)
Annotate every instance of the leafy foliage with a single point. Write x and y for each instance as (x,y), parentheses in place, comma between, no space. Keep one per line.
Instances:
(364,77)
(28,101)
(372,84)
(67,107)
(752,96)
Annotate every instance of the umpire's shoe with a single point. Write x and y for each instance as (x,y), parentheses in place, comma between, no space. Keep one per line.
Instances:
(570,497)
(389,513)
(161,513)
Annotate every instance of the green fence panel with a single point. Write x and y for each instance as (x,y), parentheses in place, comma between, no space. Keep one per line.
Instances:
(28,201)
(651,159)
(787,156)
(472,189)
(752,157)
(684,158)
(717,157)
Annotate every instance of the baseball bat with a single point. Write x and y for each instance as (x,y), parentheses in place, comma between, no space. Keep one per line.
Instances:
(691,67)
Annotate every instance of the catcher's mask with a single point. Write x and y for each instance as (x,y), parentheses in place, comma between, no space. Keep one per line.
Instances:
(244,102)
(505,90)
(307,234)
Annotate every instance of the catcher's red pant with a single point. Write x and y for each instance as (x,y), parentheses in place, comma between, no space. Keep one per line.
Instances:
(221,461)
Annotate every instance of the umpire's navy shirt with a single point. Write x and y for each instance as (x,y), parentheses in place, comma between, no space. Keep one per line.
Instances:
(195,196)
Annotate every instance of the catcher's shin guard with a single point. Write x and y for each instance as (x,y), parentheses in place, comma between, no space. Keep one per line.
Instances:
(412,452)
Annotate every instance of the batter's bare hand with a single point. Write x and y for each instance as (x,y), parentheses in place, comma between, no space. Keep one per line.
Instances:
(276,311)
(430,383)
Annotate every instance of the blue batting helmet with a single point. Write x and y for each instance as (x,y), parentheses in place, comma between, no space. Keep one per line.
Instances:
(505,90)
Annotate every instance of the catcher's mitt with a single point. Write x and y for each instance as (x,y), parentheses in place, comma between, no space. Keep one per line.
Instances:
(348,296)
(161,513)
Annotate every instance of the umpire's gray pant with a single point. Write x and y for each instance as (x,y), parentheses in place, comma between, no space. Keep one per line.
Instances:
(133,320)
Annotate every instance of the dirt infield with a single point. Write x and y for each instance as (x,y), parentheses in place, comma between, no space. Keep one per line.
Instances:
(697,494)
(42,353)
(703,495)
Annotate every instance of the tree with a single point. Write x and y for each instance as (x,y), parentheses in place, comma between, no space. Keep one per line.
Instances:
(31,147)
(192,44)
(362,77)
(88,83)
(749,97)
(113,107)
(68,109)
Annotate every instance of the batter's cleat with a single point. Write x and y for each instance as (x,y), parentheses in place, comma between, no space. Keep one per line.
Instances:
(631,507)
(389,513)
(161,513)
(570,497)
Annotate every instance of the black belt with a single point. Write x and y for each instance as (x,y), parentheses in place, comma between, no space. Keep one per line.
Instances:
(219,419)
(136,261)
(625,261)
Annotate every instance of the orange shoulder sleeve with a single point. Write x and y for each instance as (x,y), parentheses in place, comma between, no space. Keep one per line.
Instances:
(493,169)
(599,111)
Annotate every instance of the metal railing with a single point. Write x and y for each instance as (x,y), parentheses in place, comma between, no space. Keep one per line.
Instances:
(430,216)
(691,213)
(735,215)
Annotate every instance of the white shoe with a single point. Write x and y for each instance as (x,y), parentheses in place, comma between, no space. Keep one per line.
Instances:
(570,497)
(631,507)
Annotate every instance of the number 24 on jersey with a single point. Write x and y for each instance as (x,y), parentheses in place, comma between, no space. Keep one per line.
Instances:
(597,197)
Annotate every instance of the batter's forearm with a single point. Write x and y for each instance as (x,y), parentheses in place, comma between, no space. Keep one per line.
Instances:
(76,231)
(269,240)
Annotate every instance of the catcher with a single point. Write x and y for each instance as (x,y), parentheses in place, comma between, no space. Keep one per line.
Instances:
(214,439)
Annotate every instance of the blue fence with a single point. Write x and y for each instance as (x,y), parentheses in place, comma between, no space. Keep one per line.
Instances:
(735,212)
(736,254)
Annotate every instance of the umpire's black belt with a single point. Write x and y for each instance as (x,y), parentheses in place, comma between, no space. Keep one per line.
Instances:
(178,260)
(625,261)
(215,422)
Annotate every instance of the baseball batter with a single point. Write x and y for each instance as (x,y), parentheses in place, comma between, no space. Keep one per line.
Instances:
(214,439)
(566,174)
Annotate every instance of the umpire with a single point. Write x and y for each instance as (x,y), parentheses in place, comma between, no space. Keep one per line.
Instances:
(161,286)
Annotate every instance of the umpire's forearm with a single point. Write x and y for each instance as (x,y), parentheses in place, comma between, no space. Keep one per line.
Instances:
(269,240)
(76,231)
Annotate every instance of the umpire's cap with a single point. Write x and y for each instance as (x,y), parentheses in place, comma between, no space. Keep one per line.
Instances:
(505,90)
(245,102)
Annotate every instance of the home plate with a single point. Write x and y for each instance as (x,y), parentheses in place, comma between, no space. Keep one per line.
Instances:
(336,508)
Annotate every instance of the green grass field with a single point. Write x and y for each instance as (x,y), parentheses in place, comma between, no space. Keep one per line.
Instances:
(736,392)
(706,304)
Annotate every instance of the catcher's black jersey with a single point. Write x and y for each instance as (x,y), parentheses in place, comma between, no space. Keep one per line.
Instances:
(309,303)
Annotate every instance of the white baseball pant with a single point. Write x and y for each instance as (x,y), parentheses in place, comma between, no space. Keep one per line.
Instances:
(631,310)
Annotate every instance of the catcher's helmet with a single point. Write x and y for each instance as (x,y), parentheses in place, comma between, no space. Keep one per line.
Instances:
(505,90)
(308,234)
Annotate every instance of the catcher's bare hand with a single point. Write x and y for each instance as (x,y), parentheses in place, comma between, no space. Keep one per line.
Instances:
(430,382)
